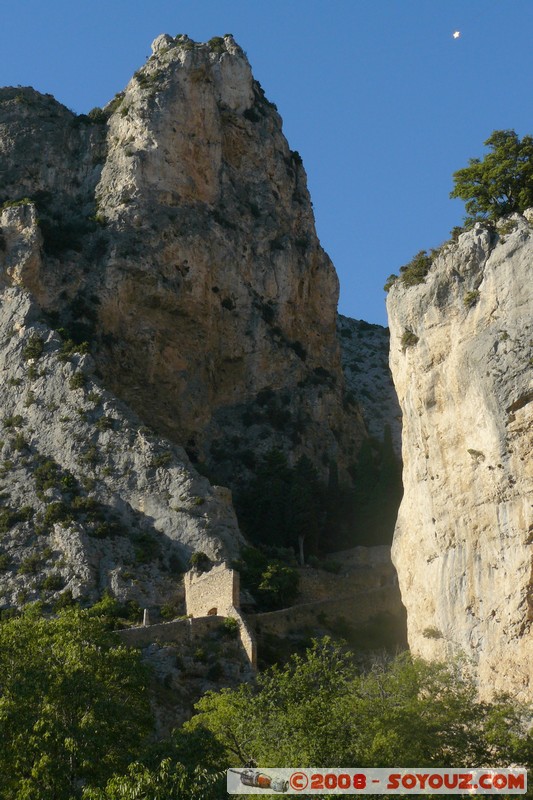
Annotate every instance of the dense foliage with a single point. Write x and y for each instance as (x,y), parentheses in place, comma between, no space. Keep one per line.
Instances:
(73,705)
(283,504)
(500,183)
(273,583)
(320,710)
(290,507)
(170,780)
(74,719)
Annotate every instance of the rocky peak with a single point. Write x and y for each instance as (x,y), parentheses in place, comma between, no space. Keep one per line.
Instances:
(46,152)
(173,231)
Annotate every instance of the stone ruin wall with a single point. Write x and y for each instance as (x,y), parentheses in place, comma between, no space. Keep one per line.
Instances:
(217,592)
(179,631)
(213,596)
(212,593)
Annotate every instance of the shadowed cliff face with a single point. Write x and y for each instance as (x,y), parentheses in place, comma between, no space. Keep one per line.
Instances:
(179,238)
(461,358)
(90,500)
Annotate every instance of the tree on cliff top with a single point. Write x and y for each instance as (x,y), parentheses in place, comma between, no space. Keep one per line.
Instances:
(502,182)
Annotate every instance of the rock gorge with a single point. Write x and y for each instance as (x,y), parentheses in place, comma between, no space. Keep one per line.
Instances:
(170,234)
(173,231)
(461,357)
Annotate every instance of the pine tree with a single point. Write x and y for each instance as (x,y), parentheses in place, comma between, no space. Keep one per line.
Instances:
(501,182)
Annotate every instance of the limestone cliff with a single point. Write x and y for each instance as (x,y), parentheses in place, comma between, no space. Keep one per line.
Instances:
(164,299)
(179,239)
(461,358)
(365,363)
(90,498)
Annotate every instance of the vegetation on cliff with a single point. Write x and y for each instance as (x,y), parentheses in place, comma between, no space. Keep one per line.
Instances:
(500,183)
(290,507)
(493,187)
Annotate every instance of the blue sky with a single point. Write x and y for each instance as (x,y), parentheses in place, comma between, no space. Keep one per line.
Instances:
(380,100)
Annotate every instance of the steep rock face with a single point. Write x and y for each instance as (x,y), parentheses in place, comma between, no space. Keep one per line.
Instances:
(89,498)
(365,363)
(179,238)
(461,358)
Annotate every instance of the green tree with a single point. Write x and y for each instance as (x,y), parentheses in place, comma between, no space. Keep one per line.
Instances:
(265,503)
(304,508)
(73,705)
(272,583)
(279,586)
(293,715)
(501,182)
(170,780)
(319,710)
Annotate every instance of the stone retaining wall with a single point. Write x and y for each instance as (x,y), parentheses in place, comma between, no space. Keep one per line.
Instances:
(355,609)
(180,630)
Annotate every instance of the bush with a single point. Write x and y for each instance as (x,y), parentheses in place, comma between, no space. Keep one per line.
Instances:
(5,561)
(200,561)
(24,201)
(98,115)
(30,565)
(33,348)
(279,586)
(25,513)
(52,583)
(108,530)
(90,456)
(113,105)
(389,283)
(77,381)
(65,600)
(231,627)
(47,475)
(8,518)
(162,460)
(57,512)
(470,299)
(69,347)
(217,44)
(19,442)
(409,339)
(416,270)
(104,423)
(14,421)
(168,611)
